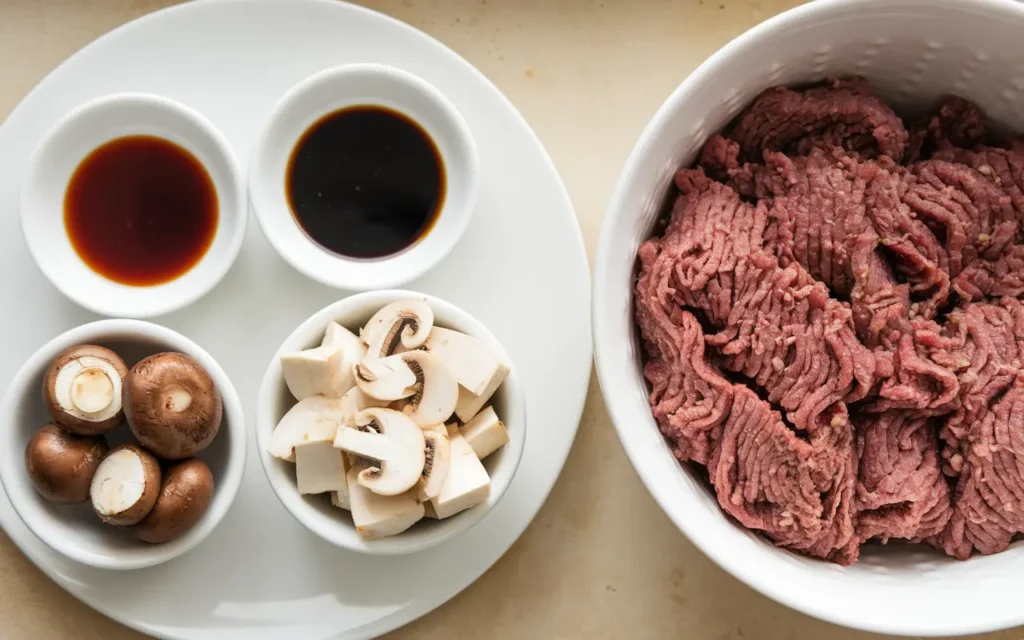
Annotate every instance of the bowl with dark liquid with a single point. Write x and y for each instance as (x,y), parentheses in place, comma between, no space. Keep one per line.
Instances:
(133,205)
(364,177)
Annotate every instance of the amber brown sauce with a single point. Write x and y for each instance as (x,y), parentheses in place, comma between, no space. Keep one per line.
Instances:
(141,210)
(365,182)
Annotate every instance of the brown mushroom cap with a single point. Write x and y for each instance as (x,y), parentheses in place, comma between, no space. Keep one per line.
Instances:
(95,380)
(126,485)
(172,405)
(61,464)
(184,498)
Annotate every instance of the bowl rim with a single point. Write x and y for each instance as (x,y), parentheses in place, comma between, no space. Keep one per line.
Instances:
(340,275)
(614,389)
(297,505)
(227,485)
(127,306)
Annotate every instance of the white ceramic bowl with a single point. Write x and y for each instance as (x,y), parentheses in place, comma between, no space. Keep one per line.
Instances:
(315,511)
(74,530)
(63,148)
(912,51)
(346,86)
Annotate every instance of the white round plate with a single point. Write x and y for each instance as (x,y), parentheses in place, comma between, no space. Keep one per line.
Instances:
(520,263)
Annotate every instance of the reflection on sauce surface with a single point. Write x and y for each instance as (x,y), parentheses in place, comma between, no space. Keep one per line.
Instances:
(141,210)
(365,182)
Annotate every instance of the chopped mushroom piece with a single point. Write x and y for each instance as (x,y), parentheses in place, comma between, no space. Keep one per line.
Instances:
(469,404)
(376,516)
(485,433)
(82,389)
(319,467)
(401,325)
(388,378)
(466,484)
(474,364)
(312,418)
(355,401)
(394,444)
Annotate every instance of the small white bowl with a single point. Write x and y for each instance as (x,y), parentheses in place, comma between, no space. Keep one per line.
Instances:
(316,512)
(74,530)
(345,86)
(60,152)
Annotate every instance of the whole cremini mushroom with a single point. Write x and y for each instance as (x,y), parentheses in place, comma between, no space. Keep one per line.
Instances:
(184,497)
(125,486)
(82,389)
(172,405)
(61,464)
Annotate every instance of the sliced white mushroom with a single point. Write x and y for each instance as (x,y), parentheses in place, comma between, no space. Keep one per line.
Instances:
(436,389)
(469,404)
(315,418)
(319,467)
(393,443)
(355,401)
(485,433)
(437,453)
(417,376)
(466,484)
(401,325)
(376,516)
(473,362)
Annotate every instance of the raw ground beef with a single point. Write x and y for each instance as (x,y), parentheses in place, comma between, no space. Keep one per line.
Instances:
(833,327)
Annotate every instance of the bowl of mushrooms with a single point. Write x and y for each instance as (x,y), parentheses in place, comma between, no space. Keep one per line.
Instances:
(390,421)
(124,444)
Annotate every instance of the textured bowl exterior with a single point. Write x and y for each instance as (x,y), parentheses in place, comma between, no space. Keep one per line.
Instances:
(912,51)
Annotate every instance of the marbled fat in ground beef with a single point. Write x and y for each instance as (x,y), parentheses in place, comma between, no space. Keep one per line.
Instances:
(833,326)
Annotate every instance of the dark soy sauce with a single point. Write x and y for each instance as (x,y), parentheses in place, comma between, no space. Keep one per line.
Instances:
(365,182)
(140,210)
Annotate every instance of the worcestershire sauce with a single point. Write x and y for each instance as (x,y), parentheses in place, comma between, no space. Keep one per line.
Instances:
(365,182)
(140,210)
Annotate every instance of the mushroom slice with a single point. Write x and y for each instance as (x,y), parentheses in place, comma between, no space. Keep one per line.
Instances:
(404,323)
(355,401)
(393,443)
(469,404)
(474,364)
(376,516)
(387,379)
(313,418)
(437,453)
(485,433)
(466,484)
(82,389)
(421,377)
(436,389)
(126,485)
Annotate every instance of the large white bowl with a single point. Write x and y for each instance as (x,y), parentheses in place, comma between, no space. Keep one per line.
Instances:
(74,530)
(912,51)
(316,512)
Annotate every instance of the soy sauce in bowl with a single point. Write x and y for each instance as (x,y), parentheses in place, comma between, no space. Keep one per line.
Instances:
(365,182)
(141,210)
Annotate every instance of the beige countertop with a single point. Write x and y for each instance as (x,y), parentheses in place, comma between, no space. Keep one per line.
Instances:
(601,560)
